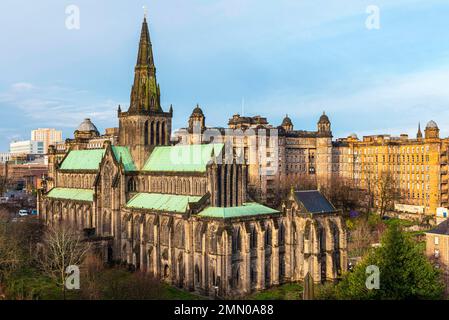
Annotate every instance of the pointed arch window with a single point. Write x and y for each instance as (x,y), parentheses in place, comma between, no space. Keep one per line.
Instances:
(236,241)
(132,185)
(158,136)
(163,133)
(253,238)
(268,237)
(146,133)
(152,133)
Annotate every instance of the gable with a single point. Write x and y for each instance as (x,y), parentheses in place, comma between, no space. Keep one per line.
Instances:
(182,158)
(83,160)
(124,154)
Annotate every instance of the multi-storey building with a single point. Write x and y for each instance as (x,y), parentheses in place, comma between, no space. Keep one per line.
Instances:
(48,136)
(27,147)
(182,212)
(278,157)
(417,167)
(5,157)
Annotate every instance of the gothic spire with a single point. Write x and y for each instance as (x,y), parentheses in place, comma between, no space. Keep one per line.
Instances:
(145,56)
(145,95)
(419,134)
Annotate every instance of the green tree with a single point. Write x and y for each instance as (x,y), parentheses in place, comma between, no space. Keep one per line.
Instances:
(405,272)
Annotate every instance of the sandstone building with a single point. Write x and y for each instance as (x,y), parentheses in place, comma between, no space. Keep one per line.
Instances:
(182,212)
(418,167)
(278,157)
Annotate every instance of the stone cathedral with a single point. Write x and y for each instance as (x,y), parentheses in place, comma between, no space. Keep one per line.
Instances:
(182,212)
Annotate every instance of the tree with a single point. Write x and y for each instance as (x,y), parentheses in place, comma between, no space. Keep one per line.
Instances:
(386,191)
(343,194)
(4,184)
(10,253)
(62,247)
(360,237)
(405,272)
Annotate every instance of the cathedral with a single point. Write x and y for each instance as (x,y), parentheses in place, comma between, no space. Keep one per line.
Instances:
(182,212)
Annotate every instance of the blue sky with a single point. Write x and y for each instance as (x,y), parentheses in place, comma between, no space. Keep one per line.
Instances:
(285,56)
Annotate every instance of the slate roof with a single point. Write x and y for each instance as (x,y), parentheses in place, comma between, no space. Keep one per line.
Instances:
(83,160)
(161,202)
(247,209)
(182,158)
(314,201)
(72,194)
(442,228)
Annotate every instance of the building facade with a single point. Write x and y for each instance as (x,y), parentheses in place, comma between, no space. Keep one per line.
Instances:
(281,157)
(49,136)
(278,157)
(437,249)
(416,167)
(26,147)
(182,212)
(5,157)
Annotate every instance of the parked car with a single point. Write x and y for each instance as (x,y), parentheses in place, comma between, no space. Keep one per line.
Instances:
(34,212)
(23,213)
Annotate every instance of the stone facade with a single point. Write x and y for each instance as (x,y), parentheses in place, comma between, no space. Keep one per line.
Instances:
(277,157)
(310,159)
(418,167)
(186,221)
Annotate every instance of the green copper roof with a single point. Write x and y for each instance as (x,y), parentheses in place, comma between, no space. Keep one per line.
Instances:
(188,158)
(83,160)
(72,194)
(248,209)
(125,155)
(161,202)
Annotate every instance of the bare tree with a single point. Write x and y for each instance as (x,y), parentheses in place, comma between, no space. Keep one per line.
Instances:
(386,192)
(10,253)
(343,194)
(62,247)
(369,181)
(361,237)
(4,184)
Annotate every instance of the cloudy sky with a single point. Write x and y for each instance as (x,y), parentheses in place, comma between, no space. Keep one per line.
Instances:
(267,57)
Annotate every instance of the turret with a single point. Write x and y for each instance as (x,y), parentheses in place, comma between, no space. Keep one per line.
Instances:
(432,131)
(324,125)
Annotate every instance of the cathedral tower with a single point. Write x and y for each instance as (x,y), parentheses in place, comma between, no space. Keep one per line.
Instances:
(145,125)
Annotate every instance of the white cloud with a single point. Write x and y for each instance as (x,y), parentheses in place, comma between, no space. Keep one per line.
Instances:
(57,106)
(397,103)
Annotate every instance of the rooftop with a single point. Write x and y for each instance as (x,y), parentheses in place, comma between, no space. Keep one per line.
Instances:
(182,158)
(246,210)
(314,201)
(71,194)
(441,229)
(161,202)
(83,160)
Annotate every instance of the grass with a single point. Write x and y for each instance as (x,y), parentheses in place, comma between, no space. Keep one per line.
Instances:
(402,222)
(289,291)
(30,284)
(172,293)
